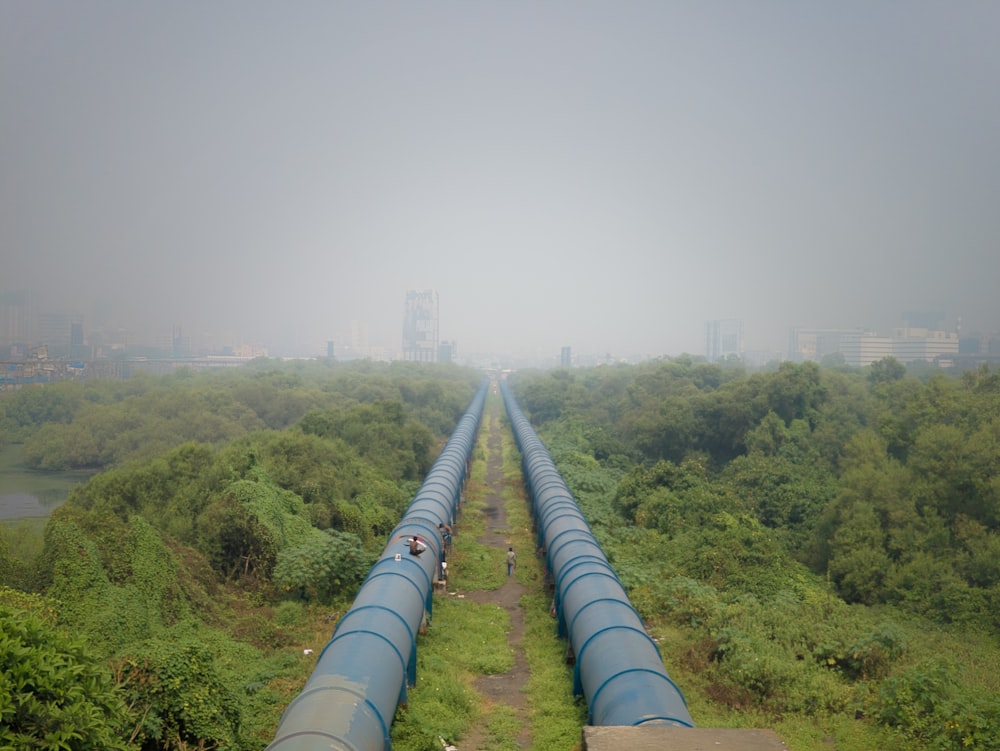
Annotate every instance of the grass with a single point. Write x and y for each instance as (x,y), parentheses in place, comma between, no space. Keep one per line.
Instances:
(464,640)
(471,636)
(473,565)
(556,715)
(502,728)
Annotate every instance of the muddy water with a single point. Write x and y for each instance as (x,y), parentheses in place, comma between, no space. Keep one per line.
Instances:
(25,493)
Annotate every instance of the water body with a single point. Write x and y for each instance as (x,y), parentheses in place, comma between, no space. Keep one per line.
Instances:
(25,493)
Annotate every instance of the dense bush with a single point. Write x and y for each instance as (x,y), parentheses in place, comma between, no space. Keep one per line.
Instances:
(884,483)
(797,527)
(55,693)
(327,566)
(184,691)
(107,423)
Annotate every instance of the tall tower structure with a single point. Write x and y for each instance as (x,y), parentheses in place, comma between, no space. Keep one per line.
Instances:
(420,326)
(723,338)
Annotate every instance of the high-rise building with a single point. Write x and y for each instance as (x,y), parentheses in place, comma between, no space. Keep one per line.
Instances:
(723,338)
(55,331)
(420,326)
(18,320)
(566,357)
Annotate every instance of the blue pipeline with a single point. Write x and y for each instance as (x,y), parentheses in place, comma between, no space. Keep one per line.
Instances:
(618,668)
(362,674)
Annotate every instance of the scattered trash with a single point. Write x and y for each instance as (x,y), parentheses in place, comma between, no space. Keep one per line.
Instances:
(307,651)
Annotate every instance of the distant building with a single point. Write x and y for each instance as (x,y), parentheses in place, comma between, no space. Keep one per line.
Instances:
(912,344)
(352,343)
(860,348)
(420,326)
(723,338)
(447,351)
(359,337)
(979,344)
(78,349)
(18,321)
(815,344)
(566,357)
(55,330)
(924,319)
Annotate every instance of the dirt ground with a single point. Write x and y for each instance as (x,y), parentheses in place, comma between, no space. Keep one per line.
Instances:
(508,688)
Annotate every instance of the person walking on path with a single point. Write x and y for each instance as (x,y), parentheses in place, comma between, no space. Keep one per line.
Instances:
(511,560)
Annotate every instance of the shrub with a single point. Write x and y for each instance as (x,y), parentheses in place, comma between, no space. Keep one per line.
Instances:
(926,704)
(55,695)
(332,564)
(182,692)
(289,613)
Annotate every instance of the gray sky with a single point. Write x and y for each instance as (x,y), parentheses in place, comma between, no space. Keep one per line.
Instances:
(605,175)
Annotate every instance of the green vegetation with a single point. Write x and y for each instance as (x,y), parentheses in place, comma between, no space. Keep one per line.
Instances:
(234,517)
(99,424)
(815,549)
(556,715)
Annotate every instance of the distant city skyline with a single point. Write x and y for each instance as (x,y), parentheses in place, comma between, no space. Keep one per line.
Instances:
(725,337)
(350,333)
(607,176)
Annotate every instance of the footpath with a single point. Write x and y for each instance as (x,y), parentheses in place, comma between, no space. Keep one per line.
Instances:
(506,689)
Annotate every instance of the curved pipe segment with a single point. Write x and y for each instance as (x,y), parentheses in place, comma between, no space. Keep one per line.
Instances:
(618,668)
(362,673)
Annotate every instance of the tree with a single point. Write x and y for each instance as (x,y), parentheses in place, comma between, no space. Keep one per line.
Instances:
(381,433)
(796,391)
(543,398)
(858,562)
(886,370)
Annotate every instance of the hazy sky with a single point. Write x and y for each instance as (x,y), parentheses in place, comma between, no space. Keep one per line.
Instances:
(605,175)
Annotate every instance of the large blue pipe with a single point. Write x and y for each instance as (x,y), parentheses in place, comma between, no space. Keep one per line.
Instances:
(618,668)
(361,676)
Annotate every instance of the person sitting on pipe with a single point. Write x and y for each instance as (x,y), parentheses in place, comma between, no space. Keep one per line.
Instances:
(417,546)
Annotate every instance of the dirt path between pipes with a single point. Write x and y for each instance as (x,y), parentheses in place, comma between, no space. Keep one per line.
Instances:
(507,688)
